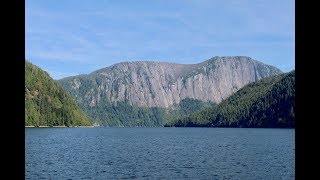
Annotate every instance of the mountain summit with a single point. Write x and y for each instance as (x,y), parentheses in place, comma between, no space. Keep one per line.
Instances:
(162,84)
(143,93)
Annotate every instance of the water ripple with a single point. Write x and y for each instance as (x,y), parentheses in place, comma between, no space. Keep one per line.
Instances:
(159,153)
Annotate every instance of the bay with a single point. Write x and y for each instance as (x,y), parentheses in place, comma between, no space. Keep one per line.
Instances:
(159,153)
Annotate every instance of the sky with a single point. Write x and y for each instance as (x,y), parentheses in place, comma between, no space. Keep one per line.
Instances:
(72,37)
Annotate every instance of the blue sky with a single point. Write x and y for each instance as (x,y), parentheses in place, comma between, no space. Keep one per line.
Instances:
(74,37)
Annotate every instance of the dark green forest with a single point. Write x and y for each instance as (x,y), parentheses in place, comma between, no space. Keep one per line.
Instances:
(123,114)
(46,103)
(268,103)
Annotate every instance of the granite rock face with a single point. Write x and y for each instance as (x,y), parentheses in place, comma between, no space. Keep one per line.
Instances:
(162,84)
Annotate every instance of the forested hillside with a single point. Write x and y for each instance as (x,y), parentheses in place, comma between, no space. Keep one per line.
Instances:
(46,103)
(121,114)
(269,102)
(149,93)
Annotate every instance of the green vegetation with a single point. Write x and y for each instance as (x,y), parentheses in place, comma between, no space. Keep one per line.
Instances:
(123,114)
(109,95)
(46,103)
(269,102)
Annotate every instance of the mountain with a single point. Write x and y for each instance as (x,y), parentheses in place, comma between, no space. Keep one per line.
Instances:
(158,87)
(46,103)
(268,103)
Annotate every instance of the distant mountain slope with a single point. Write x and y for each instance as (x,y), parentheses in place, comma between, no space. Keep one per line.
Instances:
(122,114)
(136,86)
(161,84)
(46,103)
(269,102)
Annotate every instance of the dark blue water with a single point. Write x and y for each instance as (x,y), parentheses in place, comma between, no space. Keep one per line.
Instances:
(159,153)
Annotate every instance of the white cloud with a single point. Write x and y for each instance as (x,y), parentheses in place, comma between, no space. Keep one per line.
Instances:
(107,34)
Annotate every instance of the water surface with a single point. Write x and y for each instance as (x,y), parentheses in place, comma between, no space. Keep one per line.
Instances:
(159,153)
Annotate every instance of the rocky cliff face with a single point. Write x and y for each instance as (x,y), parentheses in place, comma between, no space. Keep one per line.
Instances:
(159,84)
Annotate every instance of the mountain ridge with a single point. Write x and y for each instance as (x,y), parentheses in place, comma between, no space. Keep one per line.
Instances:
(162,78)
(140,85)
(269,102)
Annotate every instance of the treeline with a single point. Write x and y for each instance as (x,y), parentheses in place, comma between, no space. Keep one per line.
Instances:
(123,114)
(269,102)
(46,103)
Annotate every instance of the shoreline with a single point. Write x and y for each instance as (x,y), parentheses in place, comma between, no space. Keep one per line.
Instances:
(58,126)
(157,127)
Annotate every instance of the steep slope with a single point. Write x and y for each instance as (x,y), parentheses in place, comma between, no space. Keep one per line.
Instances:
(269,102)
(160,85)
(46,103)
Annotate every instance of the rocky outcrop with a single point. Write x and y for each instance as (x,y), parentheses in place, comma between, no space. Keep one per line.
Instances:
(161,84)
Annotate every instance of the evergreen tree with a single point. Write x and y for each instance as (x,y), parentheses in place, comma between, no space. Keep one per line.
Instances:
(269,102)
(46,103)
